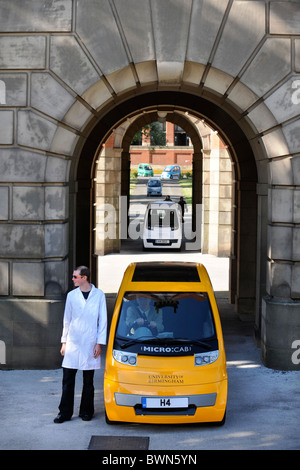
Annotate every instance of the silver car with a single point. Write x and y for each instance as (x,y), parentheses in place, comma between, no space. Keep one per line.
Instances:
(154,187)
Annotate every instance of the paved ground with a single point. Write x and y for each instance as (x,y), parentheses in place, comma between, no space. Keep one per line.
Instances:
(263,407)
(263,404)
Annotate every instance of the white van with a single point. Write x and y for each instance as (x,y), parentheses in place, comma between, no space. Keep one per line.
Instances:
(162,225)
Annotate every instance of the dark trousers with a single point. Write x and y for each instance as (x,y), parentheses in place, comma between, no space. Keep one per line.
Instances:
(66,405)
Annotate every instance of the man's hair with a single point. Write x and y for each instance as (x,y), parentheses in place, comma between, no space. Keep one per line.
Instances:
(84,271)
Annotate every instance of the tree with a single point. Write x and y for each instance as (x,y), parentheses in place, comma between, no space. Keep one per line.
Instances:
(155,130)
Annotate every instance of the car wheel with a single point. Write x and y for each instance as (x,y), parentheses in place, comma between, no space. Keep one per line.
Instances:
(108,421)
(221,423)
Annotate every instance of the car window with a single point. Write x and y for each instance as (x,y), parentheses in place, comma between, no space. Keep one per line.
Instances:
(163,218)
(154,183)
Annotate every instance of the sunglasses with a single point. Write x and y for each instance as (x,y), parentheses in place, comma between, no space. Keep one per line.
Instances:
(76,277)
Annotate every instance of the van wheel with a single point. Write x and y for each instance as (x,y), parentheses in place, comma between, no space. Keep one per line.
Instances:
(221,423)
(108,421)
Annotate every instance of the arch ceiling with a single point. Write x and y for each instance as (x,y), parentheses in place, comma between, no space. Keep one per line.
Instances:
(242,55)
(123,134)
(142,49)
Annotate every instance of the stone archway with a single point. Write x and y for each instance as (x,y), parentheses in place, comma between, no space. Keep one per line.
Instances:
(188,126)
(66,68)
(243,262)
(211,184)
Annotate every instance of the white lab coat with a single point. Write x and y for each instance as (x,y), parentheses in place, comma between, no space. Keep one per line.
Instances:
(84,326)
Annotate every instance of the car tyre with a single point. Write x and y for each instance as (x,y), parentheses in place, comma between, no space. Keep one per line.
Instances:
(108,421)
(221,423)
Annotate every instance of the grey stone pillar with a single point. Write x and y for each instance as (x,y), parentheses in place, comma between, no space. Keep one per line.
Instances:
(280,324)
(246,250)
(108,190)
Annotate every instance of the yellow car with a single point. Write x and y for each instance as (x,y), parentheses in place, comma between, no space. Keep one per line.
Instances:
(165,360)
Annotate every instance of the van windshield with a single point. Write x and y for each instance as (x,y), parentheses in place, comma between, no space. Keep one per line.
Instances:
(153,183)
(161,217)
(166,318)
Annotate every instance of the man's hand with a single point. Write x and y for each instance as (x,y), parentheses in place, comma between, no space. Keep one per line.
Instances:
(62,349)
(97,351)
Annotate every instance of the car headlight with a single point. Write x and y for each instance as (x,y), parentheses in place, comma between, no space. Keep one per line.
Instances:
(125,357)
(202,359)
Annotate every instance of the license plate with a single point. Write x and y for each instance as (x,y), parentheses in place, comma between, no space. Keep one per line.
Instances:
(162,241)
(165,402)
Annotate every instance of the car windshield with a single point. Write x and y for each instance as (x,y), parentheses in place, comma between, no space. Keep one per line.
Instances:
(163,218)
(147,167)
(185,317)
(168,168)
(154,183)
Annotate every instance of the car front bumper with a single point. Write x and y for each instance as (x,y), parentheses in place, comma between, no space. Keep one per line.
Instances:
(206,403)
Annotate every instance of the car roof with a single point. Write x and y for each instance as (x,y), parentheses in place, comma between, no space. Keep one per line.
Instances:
(163,205)
(158,271)
(170,203)
(184,276)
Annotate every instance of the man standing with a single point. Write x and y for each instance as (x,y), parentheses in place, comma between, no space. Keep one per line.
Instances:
(183,205)
(84,330)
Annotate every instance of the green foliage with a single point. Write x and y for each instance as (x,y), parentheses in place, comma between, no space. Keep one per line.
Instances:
(186,186)
(156,133)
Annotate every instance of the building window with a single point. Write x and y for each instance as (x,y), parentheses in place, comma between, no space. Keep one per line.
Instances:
(181,138)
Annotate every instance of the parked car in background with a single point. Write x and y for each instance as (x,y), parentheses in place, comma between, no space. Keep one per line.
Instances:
(171,171)
(165,360)
(144,169)
(162,225)
(154,186)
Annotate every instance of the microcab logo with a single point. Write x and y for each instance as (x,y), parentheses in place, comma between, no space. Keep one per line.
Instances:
(2,352)
(296,353)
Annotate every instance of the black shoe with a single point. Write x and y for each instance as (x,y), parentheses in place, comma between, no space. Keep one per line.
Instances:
(60,419)
(85,417)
